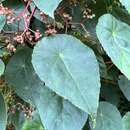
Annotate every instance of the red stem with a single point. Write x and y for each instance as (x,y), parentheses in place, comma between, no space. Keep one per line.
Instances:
(25,24)
(33,11)
(23,12)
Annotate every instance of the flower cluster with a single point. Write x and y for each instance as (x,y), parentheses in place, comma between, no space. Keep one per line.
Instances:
(50,30)
(28,36)
(88,14)
(67,17)
(8,12)
(27,110)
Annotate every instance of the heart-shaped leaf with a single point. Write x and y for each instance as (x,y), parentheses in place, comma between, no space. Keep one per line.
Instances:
(114,36)
(70,69)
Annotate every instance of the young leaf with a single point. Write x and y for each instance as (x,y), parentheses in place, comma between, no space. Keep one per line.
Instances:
(70,69)
(114,36)
(3,113)
(47,6)
(2,67)
(58,114)
(126,3)
(124,85)
(108,117)
(126,121)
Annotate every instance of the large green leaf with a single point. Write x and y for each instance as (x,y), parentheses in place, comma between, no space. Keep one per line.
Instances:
(47,6)
(59,114)
(114,36)
(2,67)
(126,3)
(124,85)
(20,74)
(126,121)
(70,69)
(33,124)
(108,117)
(3,113)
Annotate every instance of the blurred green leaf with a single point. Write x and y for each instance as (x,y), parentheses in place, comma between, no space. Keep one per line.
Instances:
(3,113)
(2,67)
(108,117)
(126,121)
(124,85)
(2,21)
(20,76)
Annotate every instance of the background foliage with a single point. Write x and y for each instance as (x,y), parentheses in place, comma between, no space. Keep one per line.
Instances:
(64,65)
